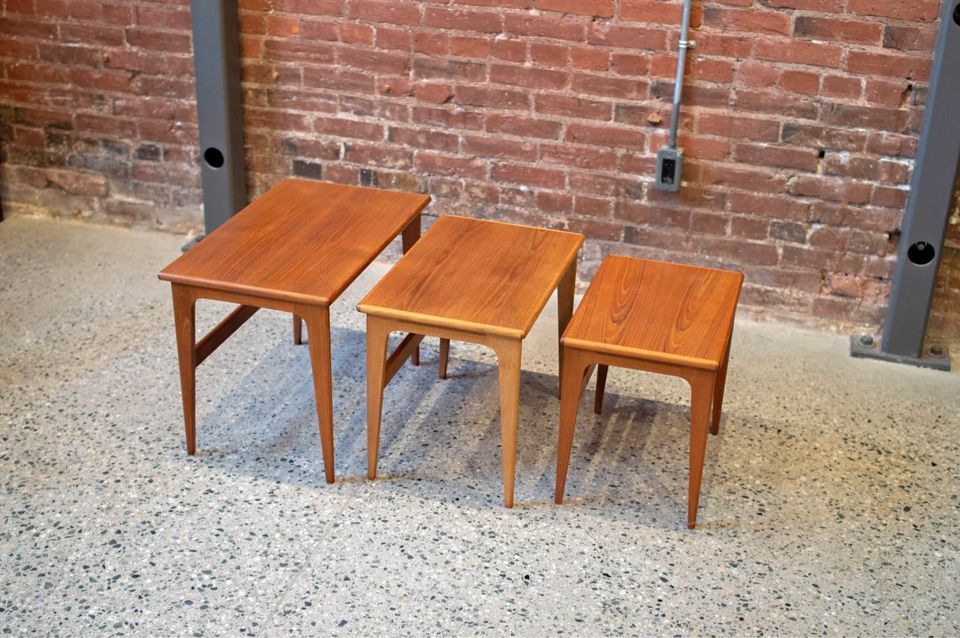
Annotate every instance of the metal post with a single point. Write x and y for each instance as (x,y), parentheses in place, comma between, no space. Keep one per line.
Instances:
(670,158)
(927,214)
(216,54)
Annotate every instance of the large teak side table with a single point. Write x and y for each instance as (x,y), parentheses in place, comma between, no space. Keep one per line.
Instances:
(294,249)
(659,317)
(471,280)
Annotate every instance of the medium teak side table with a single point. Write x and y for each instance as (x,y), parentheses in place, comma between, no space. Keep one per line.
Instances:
(471,280)
(295,249)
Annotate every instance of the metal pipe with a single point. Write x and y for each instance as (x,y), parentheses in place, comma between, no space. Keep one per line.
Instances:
(685,44)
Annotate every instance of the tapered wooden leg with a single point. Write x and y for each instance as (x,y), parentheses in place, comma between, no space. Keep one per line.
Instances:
(718,393)
(184,317)
(410,236)
(444,357)
(565,291)
(721,385)
(571,387)
(701,400)
(297,330)
(508,360)
(317,319)
(377,333)
(601,386)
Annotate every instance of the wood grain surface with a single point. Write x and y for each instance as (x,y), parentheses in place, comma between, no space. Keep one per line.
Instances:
(476,275)
(302,241)
(656,310)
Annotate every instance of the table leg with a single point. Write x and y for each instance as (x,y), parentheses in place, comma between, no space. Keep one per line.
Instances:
(601,386)
(565,292)
(701,388)
(317,319)
(571,385)
(509,354)
(377,333)
(297,330)
(184,316)
(410,236)
(444,357)
(721,385)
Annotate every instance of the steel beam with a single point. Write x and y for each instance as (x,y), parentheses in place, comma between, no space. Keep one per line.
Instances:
(927,214)
(216,55)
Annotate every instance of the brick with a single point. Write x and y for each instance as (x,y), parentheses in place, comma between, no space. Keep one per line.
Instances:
(839,86)
(448,118)
(439,164)
(803,82)
(349,128)
(490,97)
(823,137)
(579,156)
(833,30)
(523,126)
(831,189)
(606,136)
(78,183)
(376,61)
(629,37)
(481,21)
(780,156)
(909,38)
(528,175)
(435,93)
(550,54)
(158,40)
(749,20)
(900,66)
(598,8)
(863,116)
(651,11)
(528,77)
(539,26)
(424,138)
(481,146)
(776,103)
(384,11)
(921,10)
(749,128)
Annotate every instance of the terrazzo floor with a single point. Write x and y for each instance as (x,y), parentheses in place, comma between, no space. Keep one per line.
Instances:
(829,504)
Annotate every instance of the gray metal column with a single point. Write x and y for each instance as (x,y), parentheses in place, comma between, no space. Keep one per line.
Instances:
(927,214)
(216,54)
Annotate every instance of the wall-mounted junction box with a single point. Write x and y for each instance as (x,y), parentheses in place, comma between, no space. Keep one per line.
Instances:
(669,169)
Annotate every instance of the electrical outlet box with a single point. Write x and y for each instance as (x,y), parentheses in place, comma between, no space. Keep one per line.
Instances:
(669,169)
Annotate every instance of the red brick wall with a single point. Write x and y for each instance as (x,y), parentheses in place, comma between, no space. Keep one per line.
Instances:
(800,122)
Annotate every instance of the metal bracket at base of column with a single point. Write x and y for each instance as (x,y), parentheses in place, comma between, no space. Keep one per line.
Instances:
(867,346)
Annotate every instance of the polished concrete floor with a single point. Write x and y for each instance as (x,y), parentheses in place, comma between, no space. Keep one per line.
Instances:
(830,498)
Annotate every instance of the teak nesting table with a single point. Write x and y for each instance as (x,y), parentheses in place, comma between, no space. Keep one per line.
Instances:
(298,246)
(469,280)
(295,249)
(655,316)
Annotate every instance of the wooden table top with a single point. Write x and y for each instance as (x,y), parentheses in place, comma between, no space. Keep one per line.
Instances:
(657,311)
(301,241)
(476,275)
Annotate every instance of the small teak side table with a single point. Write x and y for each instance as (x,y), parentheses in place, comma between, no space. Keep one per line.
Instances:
(659,317)
(294,249)
(470,280)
